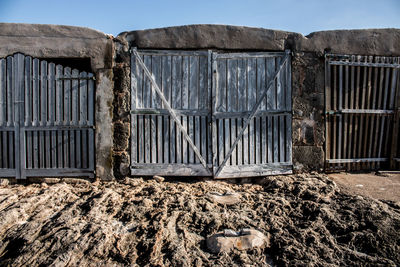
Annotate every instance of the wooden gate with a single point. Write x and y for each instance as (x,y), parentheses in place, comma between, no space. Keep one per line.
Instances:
(210,114)
(252,118)
(46,119)
(170,120)
(362,112)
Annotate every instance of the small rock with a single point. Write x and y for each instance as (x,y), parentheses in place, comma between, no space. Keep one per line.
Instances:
(44,185)
(4,182)
(228,198)
(228,240)
(359,185)
(159,179)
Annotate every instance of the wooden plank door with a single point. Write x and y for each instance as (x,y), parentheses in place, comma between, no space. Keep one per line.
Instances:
(361,112)
(46,119)
(252,116)
(170,106)
(8,130)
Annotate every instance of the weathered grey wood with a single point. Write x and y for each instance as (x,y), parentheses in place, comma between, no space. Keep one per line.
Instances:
(176,93)
(134,121)
(166,144)
(18,87)
(185,112)
(255,170)
(192,137)
(170,169)
(179,152)
(250,55)
(185,82)
(254,109)
(171,52)
(140,121)
(361,111)
(197,135)
(172,144)
(147,138)
(51,115)
(214,124)
(3,92)
(289,108)
(147,94)
(10,96)
(167,105)
(365,64)
(28,110)
(154,135)
(203,129)
(91,108)
(358,160)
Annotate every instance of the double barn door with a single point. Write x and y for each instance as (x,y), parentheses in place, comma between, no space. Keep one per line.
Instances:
(203,113)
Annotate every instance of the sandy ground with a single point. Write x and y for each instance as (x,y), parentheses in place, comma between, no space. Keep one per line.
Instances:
(380,186)
(309,220)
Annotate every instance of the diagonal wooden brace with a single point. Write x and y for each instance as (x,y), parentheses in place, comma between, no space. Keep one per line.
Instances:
(251,115)
(157,90)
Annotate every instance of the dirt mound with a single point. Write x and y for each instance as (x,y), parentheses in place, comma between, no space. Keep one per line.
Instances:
(149,223)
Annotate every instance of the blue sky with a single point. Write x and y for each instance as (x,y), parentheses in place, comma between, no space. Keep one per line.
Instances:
(115,16)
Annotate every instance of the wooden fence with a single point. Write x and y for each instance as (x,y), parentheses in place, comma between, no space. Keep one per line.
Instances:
(46,119)
(362,112)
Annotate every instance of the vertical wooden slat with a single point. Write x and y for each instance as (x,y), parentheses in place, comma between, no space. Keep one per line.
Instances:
(179,152)
(74,137)
(52,115)
(10,111)
(203,138)
(251,100)
(147,142)
(3,92)
(172,144)
(241,88)
(193,94)
(185,147)
(214,97)
(59,115)
(209,107)
(28,110)
(197,133)
(43,112)
(160,136)
(191,135)
(281,105)
(154,134)
(232,102)
(67,118)
(83,118)
(176,82)
(260,87)
(146,83)
(3,113)
(134,99)
(91,97)
(289,108)
(141,139)
(35,108)
(395,152)
(18,83)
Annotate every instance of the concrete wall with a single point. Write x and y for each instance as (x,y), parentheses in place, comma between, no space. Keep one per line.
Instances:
(110,59)
(54,41)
